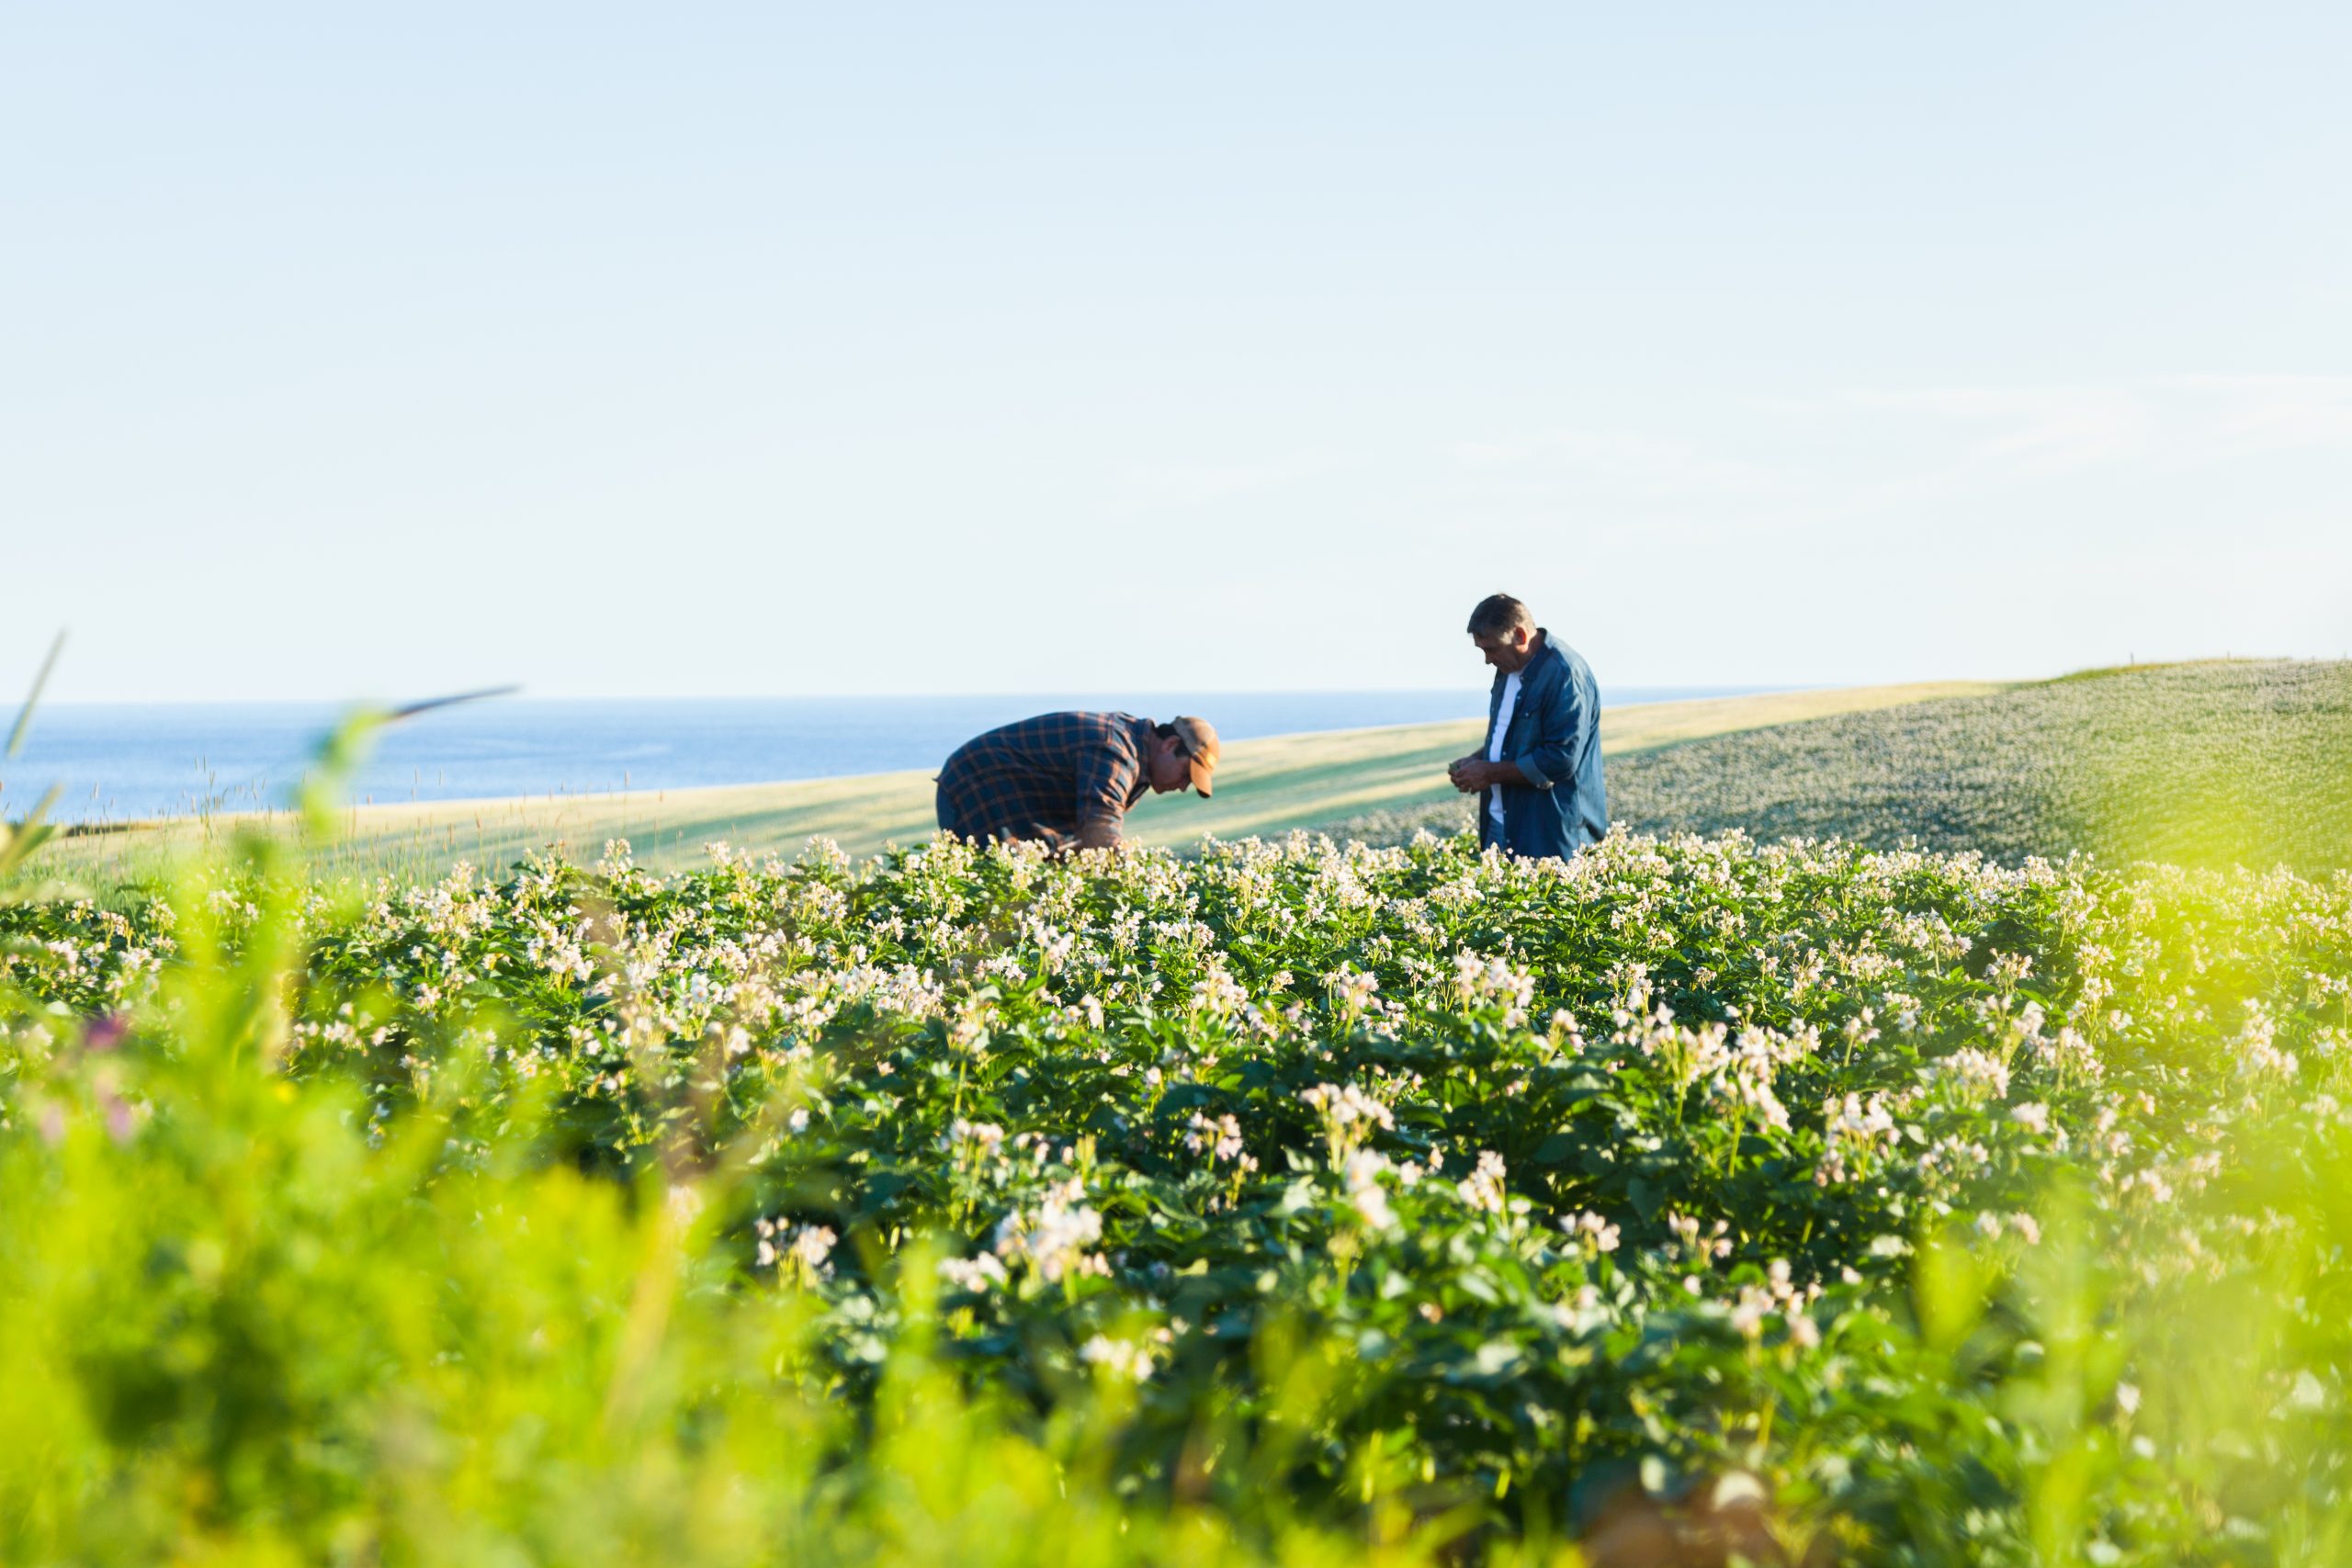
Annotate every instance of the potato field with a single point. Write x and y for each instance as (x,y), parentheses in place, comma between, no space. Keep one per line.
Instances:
(1692,1202)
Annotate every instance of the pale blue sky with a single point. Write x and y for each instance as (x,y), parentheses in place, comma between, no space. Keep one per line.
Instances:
(763,349)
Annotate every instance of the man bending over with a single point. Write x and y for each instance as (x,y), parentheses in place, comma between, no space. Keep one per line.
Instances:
(1067,779)
(1540,775)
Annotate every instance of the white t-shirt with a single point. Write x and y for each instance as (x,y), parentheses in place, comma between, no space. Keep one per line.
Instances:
(1495,742)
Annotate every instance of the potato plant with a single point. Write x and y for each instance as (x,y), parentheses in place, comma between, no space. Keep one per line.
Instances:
(1799,1201)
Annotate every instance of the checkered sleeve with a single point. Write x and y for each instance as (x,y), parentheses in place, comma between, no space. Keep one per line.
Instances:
(1107,773)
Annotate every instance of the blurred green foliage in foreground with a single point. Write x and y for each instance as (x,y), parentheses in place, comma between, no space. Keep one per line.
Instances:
(2206,764)
(1294,1203)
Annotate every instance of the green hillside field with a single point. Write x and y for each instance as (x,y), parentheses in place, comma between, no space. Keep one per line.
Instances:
(2201,764)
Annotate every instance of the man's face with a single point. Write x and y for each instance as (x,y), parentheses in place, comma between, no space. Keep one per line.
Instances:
(1172,765)
(1506,651)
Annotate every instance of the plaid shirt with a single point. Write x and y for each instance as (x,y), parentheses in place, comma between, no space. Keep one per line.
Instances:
(1046,777)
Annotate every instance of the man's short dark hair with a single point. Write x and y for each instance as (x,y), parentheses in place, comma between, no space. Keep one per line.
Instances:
(1499,612)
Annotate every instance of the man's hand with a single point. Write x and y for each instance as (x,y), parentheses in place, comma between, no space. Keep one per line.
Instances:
(1471,774)
(1098,834)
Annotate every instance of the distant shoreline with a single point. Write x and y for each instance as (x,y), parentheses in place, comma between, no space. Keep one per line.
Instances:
(1310,780)
(137,764)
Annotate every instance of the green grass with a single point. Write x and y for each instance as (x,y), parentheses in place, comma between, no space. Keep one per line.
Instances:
(2210,764)
(2203,764)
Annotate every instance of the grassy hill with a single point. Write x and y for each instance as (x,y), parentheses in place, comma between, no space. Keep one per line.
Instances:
(2196,764)
(1265,787)
(2200,764)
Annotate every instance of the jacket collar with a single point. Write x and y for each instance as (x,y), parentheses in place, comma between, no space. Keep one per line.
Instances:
(1547,650)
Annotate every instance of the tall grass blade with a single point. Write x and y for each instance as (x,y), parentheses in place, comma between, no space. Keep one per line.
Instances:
(32,698)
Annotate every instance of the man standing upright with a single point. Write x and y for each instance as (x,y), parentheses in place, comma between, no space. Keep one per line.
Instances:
(1541,775)
(1066,779)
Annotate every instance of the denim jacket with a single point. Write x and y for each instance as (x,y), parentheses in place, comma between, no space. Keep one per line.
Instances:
(1555,736)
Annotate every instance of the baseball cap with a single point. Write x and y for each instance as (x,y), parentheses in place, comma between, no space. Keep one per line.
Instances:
(1199,738)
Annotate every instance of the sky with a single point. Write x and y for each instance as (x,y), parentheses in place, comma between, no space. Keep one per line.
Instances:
(707,350)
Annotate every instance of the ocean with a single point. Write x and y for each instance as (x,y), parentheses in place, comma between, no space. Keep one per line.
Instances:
(127,762)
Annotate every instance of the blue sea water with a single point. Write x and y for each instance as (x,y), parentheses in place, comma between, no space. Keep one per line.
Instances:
(122,761)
